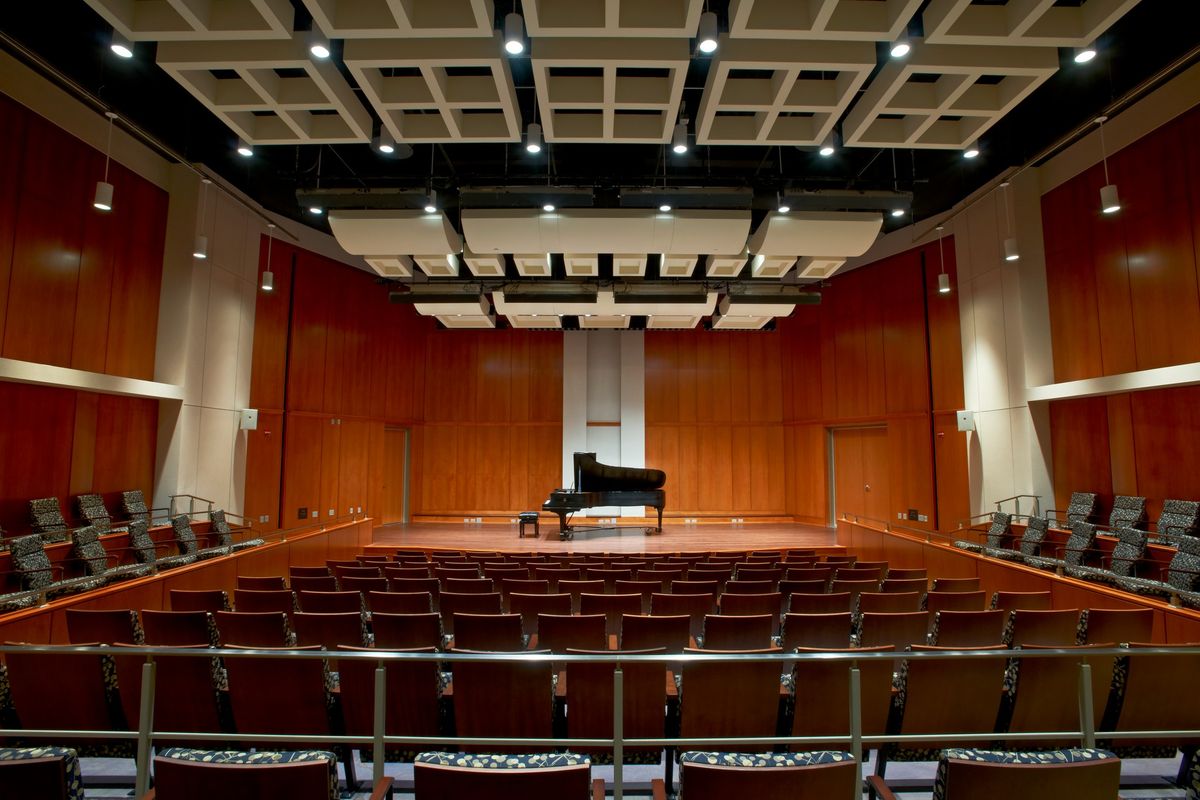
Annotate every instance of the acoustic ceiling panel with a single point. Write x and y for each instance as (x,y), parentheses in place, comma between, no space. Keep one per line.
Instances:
(438,266)
(579,18)
(764,266)
(675,266)
(269,91)
(945,96)
(597,230)
(391,266)
(629,265)
(534,321)
(532,265)
(438,90)
(773,92)
(356,19)
(581,265)
(723,322)
(818,268)
(490,265)
(174,20)
(593,321)
(861,20)
(468,321)
(1036,22)
(824,233)
(468,306)
(724,266)
(365,233)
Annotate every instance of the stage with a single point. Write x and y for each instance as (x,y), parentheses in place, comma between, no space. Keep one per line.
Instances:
(627,539)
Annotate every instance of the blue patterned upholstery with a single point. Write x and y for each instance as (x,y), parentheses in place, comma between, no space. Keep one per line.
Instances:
(73,777)
(259,757)
(502,761)
(1179,519)
(1072,756)
(805,759)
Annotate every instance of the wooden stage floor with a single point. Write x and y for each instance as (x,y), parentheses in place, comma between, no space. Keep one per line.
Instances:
(629,539)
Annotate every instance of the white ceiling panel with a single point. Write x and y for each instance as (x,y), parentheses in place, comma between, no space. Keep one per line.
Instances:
(825,233)
(364,233)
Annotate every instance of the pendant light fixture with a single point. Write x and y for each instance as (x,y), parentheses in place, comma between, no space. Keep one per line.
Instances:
(121,45)
(318,44)
(1110,202)
(1011,253)
(533,138)
(103,200)
(943,278)
(706,35)
(268,277)
(514,32)
(200,250)
(679,139)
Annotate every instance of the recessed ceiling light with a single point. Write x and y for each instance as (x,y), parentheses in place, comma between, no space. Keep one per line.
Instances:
(900,48)
(1085,54)
(785,208)
(706,36)
(897,212)
(316,210)
(121,45)
(664,208)
(548,207)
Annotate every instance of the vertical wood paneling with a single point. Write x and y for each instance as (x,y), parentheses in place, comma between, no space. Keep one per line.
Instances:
(301,467)
(264,468)
(1079,443)
(268,376)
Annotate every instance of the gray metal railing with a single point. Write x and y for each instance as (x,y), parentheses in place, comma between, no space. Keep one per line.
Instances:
(146,735)
(191,501)
(1016,500)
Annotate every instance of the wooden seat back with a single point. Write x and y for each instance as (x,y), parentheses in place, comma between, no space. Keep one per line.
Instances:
(729,698)
(590,700)
(488,632)
(729,632)
(1095,780)
(411,694)
(523,708)
(529,606)
(106,626)
(822,688)
(817,782)
(400,602)
(175,779)
(955,601)
(612,606)
(330,602)
(561,632)
(829,630)
(407,631)
(178,628)
(970,628)
(834,602)
(253,628)
(695,606)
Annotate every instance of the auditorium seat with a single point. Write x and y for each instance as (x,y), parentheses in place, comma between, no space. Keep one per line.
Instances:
(66,692)
(107,626)
(283,600)
(819,572)
(1080,547)
(309,572)
(740,632)
(749,587)
(36,574)
(330,602)
(695,606)
(505,571)
(857,573)
(375,559)
(185,540)
(821,689)
(452,603)
(531,606)
(906,574)
(1032,601)
(968,628)
(577,588)
(1115,625)
(1148,695)
(255,629)
(590,703)
(353,569)
(1034,537)
(955,601)
(769,603)
(892,585)
(329,630)
(889,602)
(406,572)
(673,633)
(503,700)
(363,585)
(1052,628)
(262,584)
(831,603)
(772,575)
(561,632)
(185,690)
(1179,520)
(1081,507)
(522,586)
(179,628)
(817,630)
(954,585)
(412,695)
(922,703)
(998,539)
(223,533)
(100,565)
(432,586)
(729,698)
(150,553)
(787,587)
(399,602)
(663,577)
(608,576)
(407,631)
(549,776)
(211,600)
(488,632)
(642,588)
(1045,692)
(815,775)
(1182,576)
(42,772)
(555,574)
(965,774)
(46,519)
(282,696)
(467,586)
(897,629)
(692,586)
(612,606)
(853,588)
(133,506)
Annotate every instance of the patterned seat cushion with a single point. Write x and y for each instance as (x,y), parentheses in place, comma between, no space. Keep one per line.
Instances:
(1071,756)
(999,533)
(494,761)
(91,509)
(1127,512)
(224,533)
(1079,544)
(133,505)
(188,545)
(1082,507)
(804,759)
(1179,518)
(89,550)
(1035,533)
(1193,777)
(30,560)
(45,518)
(259,757)
(1183,573)
(1131,546)
(74,778)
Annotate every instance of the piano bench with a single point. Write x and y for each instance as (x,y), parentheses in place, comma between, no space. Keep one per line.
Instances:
(526,518)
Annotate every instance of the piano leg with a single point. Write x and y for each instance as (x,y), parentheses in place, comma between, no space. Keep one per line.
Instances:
(659,510)
(564,531)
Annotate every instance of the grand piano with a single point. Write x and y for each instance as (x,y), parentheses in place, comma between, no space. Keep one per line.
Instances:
(599,484)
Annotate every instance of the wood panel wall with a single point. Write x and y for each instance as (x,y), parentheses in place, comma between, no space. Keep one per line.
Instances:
(61,443)
(1124,289)
(1135,443)
(335,363)
(79,288)
(882,348)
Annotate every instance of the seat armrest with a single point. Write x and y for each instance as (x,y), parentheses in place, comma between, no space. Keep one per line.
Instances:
(658,789)
(598,789)
(383,789)
(879,789)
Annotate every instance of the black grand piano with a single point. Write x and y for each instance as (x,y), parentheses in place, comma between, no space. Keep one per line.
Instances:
(599,484)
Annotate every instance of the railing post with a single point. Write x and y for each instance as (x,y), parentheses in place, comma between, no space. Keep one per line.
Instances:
(380,722)
(1087,721)
(856,746)
(145,721)
(618,732)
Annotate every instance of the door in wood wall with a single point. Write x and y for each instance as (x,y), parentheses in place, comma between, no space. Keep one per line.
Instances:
(395,476)
(860,473)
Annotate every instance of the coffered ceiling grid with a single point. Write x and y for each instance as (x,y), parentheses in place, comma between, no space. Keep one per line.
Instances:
(269,92)
(390,19)
(608,18)
(1043,23)
(188,20)
(847,20)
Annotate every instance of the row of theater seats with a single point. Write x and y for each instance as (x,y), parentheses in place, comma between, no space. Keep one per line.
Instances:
(1126,567)
(35,579)
(186,774)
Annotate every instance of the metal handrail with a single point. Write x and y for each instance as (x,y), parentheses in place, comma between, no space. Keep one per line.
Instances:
(379,739)
(191,498)
(1037,503)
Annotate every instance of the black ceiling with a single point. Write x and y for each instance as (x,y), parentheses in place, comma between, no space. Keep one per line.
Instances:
(72,38)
